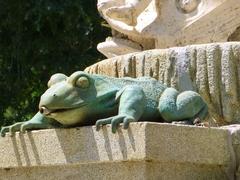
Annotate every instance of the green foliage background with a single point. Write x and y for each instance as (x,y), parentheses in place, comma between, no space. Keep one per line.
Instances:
(38,39)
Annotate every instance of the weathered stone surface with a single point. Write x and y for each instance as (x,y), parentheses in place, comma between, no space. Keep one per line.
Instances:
(213,70)
(144,151)
(235,133)
(116,170)
(151,24)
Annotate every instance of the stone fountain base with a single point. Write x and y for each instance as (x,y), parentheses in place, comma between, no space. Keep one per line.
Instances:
(144,151)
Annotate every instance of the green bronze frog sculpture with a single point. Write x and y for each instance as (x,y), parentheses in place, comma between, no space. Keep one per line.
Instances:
(86,99)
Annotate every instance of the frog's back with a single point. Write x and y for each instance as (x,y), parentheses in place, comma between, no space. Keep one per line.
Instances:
(151,87)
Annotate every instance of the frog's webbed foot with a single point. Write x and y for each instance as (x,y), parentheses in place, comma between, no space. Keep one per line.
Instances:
(11,129)
(115,121)
(21,127)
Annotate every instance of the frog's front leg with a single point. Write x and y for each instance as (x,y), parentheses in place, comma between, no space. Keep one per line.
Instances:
(39,121)
(185,106)
(131,106)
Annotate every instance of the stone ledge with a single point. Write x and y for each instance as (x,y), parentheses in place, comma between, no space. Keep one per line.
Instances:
(178,151)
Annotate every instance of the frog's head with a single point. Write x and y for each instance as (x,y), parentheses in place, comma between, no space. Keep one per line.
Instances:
(68,98)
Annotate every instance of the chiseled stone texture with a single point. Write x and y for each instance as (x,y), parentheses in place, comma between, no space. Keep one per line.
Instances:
(213,70)
(144,151)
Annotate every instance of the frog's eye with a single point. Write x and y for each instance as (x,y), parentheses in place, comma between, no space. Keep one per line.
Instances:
(82,82)
(56,78)
(187,6)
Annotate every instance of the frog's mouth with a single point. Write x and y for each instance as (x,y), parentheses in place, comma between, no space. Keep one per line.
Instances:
(46,111)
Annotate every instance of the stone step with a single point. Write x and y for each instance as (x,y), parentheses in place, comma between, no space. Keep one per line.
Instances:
(145,151)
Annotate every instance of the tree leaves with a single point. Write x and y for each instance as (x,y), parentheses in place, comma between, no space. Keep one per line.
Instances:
(38,39)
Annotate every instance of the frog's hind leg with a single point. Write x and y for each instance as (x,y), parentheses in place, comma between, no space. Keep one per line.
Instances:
(176,106)
(201,115)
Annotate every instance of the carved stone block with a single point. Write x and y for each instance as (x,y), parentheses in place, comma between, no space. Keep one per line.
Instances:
(144,151)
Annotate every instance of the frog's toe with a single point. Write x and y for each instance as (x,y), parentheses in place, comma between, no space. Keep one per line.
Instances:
(14,128)
(115,122)
(126,122)
(101,122)
(4,130)
(31,126)
(25,126)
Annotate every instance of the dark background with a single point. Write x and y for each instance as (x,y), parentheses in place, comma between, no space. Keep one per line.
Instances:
(40,38)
